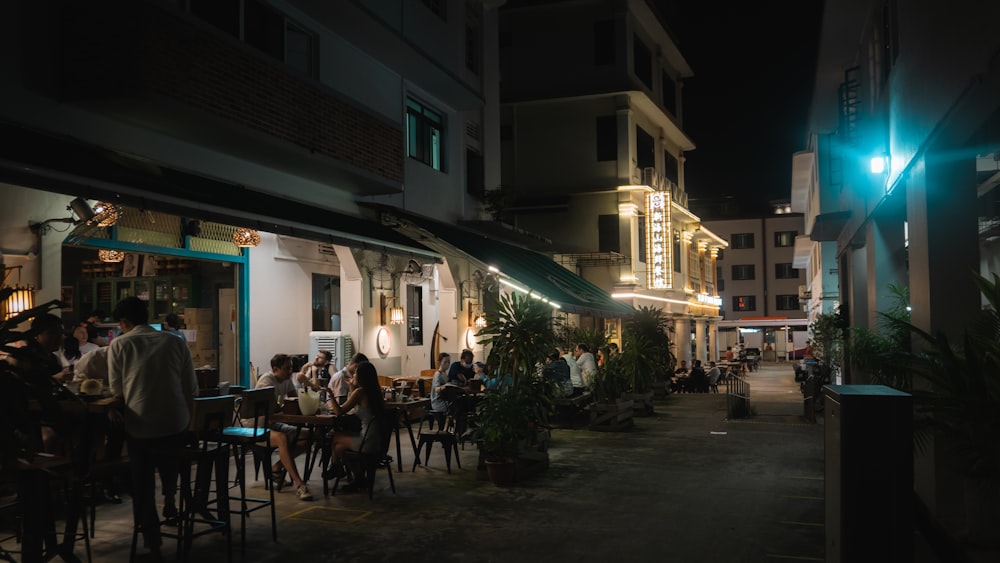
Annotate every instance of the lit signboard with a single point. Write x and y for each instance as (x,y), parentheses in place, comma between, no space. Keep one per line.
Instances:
(709,300)
(658,256)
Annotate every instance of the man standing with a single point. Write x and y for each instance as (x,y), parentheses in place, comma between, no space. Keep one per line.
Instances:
(342,381)
(153,373)
(316,370)
(588,366)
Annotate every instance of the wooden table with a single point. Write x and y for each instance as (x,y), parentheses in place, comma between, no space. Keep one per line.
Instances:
(406,409)
(318,425)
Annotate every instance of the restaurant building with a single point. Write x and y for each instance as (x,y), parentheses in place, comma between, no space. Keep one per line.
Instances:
(593,158)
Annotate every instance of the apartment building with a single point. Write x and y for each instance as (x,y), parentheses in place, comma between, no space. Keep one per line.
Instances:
(592,157)
(897,181)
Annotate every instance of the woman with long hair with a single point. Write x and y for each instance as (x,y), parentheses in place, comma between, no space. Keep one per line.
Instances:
(366,398)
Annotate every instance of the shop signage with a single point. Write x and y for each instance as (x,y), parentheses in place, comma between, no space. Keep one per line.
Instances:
(659,266)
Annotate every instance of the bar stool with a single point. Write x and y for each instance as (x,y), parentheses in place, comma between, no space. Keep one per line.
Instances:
(209,456)
(256,405)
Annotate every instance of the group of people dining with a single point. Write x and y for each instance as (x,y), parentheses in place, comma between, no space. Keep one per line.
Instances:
(697,379)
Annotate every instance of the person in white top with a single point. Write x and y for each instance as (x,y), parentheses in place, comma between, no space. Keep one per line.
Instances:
(574,368)
(342,382)
(312,373)
(587,364)
(153,373)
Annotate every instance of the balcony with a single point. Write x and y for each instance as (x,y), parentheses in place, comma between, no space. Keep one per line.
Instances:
(164,71)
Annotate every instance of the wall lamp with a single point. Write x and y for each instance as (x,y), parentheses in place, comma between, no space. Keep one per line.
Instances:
(19,299)
(102,214)
(394,315)
(879,164)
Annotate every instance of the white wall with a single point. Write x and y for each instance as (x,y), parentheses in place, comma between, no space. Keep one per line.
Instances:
(41,265)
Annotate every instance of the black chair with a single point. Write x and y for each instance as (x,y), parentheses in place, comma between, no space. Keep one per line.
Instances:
(257,406)
(446,435)
(374,453)
(430,415)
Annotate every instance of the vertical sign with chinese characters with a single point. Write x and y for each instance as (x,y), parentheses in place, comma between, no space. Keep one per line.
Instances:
(658,255)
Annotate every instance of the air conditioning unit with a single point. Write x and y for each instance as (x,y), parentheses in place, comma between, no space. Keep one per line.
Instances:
(338,343)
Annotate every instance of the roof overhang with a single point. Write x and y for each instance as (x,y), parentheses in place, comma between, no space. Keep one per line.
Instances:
(827,226)
(803,252)
(803,165)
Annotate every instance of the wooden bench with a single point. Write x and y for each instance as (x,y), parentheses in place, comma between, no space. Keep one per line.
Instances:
(568,409)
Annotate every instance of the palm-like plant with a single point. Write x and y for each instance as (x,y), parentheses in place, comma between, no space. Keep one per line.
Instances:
(646,356)
(519,336)
(959,395)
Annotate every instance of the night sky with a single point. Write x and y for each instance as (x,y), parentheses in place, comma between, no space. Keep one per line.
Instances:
(747,104)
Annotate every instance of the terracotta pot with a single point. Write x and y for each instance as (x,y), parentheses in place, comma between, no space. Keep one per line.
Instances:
(500,472)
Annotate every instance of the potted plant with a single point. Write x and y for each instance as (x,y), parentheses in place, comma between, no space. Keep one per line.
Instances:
(956,393)
(645,358)
(508,421)
(610,411)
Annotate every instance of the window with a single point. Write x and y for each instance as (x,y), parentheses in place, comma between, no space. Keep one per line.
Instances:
(604,42)
(785,238)
(743,272)
(787,302)
(438,7)
(641,225)
(669,97)
(424,134)
(607,138)
(644,149)
(261,26)
(607,234)
(415,315)
(741,240)
(744,303)
(677,251)
(670,167)
(642,62)
(719,258)
(475,180)
(325,302)
(785,271)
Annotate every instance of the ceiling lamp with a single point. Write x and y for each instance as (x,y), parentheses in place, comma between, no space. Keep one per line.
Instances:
(19,299)
(109,255)
(105,214)
(246,238)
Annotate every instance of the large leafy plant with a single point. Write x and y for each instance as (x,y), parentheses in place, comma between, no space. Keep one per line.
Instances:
(519,336)
(645,357)
(956,387)
(873,351)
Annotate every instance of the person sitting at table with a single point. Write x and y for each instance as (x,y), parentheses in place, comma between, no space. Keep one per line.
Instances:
(366,399)
(461,371)
(172,324)
(438,382)
(697,380)
(574,369)
(342,382)
(712,375)
(283,435)
(317,370)
(680,374)
(559,373)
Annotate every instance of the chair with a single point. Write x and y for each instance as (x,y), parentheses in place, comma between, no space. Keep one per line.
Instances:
(446,435)
(374,453)
(256,405)
(430,415)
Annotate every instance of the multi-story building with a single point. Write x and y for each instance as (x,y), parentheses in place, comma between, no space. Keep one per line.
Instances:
(592,157)
(197,119)
(758,282)
(899,174)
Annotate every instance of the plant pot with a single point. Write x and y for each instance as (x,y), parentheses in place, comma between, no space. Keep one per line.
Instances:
(501,472)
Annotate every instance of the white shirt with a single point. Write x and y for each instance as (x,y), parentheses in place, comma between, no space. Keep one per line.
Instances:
(588,367)
(574,370)
(153,372)
(339,384)
(92,365)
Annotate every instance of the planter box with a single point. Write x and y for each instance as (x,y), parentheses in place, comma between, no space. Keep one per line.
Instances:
(642,403)
(612,417)
(527,464)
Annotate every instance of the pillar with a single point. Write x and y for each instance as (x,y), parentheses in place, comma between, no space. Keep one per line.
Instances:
(701,353)
(682,339)
(713,340)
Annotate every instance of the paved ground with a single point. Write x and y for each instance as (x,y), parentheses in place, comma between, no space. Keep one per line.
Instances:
(683,485)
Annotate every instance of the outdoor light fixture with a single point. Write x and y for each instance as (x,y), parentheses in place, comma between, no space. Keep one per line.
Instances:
(394,315)
(109,255)
(246,238)
(20,298)
(481,320)
(104,214)
(879,164)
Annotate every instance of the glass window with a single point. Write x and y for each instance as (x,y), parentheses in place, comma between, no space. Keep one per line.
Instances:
(325,302)
(641,223)
(785,271)
(744,303)
(643,62)
(414,315)
(741,240)
(677,251)
(607,137)
(787,302)
(785,238)
(743,272)
(424,134)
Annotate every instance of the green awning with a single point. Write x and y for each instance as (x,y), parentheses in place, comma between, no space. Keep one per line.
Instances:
(526,269)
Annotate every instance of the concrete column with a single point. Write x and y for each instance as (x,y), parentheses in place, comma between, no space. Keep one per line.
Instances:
(713,340)
(886,261)
(701,352)
(682,339)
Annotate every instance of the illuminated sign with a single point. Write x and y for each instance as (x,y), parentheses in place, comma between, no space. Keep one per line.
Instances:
(710,300)
(658,257)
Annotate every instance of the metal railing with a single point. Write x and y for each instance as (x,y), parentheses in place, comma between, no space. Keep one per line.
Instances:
(737,397)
